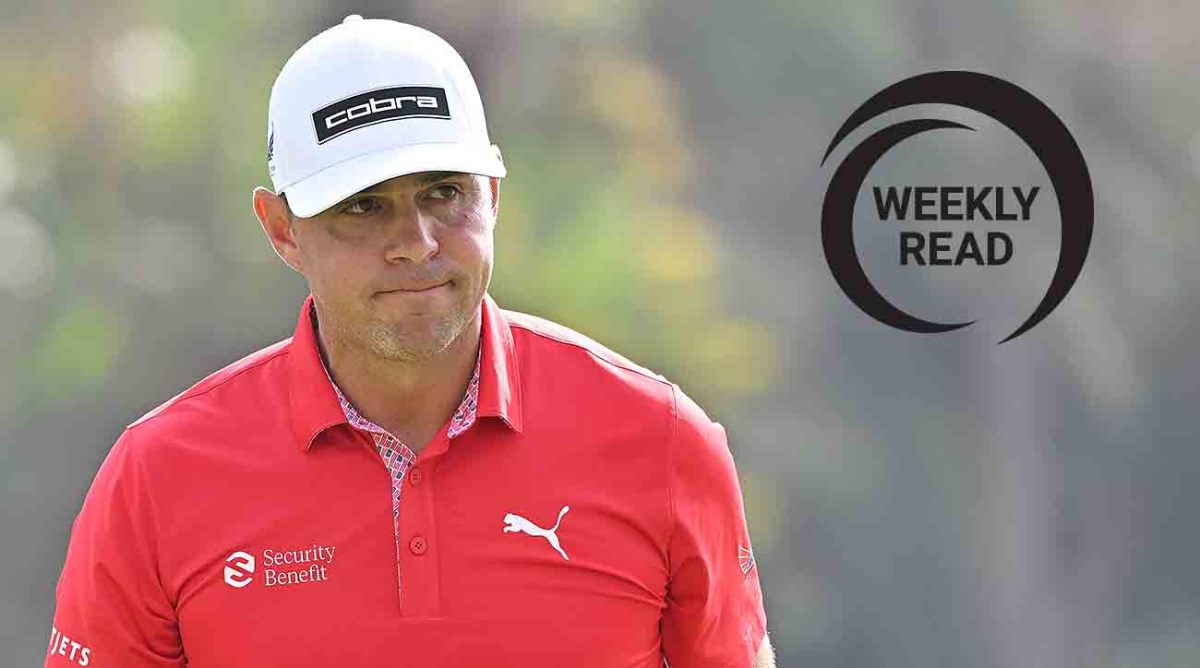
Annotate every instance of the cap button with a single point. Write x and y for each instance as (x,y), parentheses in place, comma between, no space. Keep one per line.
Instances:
(352,18)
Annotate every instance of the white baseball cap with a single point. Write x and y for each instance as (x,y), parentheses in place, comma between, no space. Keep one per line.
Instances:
(369,100)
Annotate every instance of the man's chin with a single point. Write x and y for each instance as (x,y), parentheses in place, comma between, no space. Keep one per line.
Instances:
(412,341)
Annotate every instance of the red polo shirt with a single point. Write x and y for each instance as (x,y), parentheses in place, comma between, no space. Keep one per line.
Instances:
(590,517)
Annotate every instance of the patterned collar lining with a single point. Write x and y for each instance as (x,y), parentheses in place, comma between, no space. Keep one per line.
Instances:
(463,418)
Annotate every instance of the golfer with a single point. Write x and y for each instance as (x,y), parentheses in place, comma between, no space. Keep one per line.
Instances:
(416,477)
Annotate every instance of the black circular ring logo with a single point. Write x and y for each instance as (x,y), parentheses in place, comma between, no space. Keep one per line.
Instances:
(1016,108)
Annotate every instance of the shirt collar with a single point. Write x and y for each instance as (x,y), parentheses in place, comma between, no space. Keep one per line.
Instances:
(499,376)
(463,418)
(314,403)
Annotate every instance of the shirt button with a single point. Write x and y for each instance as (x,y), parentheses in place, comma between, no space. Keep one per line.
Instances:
(415,476)
(418,545)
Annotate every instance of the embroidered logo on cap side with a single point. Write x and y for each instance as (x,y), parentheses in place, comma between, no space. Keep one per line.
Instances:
(271,151)
(379,106)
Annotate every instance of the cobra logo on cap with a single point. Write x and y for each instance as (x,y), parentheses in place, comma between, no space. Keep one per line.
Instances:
(379,106)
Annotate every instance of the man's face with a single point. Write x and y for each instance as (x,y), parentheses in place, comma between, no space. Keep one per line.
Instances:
(399,269)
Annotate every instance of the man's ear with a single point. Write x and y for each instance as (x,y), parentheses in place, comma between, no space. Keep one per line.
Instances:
(277,222)
(495,183)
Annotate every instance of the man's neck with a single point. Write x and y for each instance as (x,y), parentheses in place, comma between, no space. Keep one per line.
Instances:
(411,400)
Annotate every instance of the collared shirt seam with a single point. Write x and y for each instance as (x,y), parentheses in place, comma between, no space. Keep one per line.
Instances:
(672,512)
(645,373)
(188,395)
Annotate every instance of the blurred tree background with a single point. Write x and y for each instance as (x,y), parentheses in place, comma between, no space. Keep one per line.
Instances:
(915,501)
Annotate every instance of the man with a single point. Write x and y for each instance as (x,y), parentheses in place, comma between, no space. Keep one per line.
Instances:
(416,477)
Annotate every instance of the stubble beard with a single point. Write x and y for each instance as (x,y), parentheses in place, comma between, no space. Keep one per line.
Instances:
(396,343)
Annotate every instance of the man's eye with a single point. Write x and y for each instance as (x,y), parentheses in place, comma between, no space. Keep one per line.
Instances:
(445,191)
(362,206)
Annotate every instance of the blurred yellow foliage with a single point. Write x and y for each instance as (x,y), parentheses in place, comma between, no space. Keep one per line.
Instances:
(80,348)
(677,246)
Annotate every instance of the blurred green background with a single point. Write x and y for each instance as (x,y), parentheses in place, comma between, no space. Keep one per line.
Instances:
(914,500)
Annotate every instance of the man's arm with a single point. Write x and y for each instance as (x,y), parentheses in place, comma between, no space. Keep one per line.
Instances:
(111,609)
(766,655)
(714,614)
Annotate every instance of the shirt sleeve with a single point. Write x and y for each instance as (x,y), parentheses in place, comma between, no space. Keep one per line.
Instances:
(111,609)
(714,615)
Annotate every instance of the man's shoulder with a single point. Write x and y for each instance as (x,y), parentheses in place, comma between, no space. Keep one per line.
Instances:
(544,337)
(231,387)
(559,352)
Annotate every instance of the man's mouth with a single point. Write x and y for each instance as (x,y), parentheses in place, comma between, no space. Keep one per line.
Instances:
(416,289)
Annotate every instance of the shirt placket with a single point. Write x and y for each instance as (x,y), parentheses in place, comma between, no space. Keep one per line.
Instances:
(399,458)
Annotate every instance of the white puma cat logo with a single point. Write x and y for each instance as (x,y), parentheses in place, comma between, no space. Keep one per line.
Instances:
(514,523)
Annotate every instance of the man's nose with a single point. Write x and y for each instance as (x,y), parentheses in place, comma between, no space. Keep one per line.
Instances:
(410,234)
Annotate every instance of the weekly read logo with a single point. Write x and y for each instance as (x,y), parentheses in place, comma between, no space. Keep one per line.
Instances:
(973,216)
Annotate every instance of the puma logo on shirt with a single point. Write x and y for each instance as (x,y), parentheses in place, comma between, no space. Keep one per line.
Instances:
(514,523)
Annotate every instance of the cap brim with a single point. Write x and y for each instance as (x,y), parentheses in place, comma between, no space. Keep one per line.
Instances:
(312,195)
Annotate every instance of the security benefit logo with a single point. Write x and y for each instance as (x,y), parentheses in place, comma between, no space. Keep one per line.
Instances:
(277,568)
(956,224)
